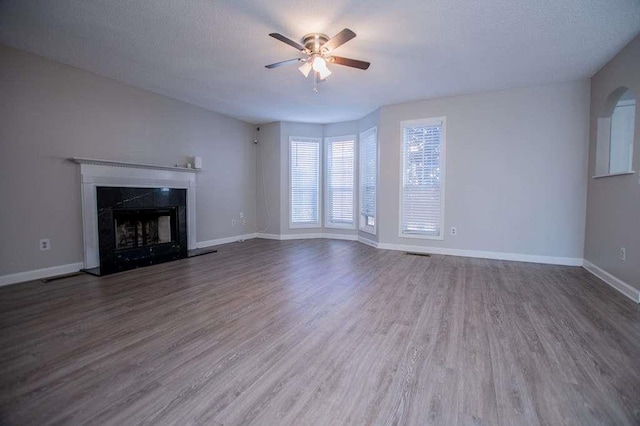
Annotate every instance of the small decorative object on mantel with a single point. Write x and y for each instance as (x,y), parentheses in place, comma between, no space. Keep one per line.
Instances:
(197,163)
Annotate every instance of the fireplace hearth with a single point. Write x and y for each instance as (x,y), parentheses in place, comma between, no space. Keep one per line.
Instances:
(140,226)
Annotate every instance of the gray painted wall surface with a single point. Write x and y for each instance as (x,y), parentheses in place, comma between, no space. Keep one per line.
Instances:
(515,177)
(50,112)
(268,156)
(613,203)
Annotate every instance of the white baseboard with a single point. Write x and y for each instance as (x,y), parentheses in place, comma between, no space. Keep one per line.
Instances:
(348,237)
(368,242)
(268,236)
(218,241)
(516,257)
(39,274)
(285,237)
(624,288)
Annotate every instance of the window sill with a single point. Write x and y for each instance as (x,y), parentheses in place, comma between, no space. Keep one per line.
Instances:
(632,172)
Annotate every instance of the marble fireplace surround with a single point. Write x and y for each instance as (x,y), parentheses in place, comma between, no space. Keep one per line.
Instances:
(96,173)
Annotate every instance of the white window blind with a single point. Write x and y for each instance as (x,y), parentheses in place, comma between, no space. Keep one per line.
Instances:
(368,178)
(339,182)
(422,178)
(304,168)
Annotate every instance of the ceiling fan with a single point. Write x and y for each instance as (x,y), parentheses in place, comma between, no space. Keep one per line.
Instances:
(318,49)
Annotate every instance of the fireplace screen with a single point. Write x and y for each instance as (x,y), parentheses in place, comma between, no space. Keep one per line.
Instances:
(144,227)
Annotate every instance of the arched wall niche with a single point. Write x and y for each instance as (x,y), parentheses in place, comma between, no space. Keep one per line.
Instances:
(615,134)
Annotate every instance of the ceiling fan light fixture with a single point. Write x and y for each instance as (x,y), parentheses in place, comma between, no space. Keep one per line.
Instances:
(320,66)
(305,68)
(324,73)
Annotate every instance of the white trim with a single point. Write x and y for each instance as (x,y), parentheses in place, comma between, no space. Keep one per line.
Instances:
(218,241)
(621,286)
(443,175)
(327,141)
(368,242)
(268,236)
(631,172)
(286,237)
(38,274)
(516,257)
(113,163)
(347,237)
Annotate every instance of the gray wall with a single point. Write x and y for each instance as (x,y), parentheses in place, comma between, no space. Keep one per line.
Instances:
(50,112)
(613,203)
(268,185)
(515,176)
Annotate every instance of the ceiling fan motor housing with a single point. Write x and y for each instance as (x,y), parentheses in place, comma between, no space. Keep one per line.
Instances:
(313,42)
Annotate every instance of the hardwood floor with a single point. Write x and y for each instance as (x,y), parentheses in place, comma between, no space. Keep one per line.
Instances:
(321,332)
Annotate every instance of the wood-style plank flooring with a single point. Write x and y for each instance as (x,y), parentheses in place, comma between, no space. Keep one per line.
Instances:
(320,332)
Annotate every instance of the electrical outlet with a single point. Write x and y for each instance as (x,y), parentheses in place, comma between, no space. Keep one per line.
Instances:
(241,215)
(623,253)
(45,244)
(244,222)
(454,230)
(233,222)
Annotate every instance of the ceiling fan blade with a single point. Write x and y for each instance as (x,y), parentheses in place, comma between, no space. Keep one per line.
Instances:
(287,62)
(287,41)
(338,40)
(349,62)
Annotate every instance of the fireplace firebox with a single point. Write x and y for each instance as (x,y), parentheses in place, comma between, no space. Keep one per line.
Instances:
(144,227)
(140,226)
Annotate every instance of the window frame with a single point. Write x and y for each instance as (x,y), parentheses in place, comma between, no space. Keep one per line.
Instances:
(362,224)
(318,222)
(443,173)
(327,142)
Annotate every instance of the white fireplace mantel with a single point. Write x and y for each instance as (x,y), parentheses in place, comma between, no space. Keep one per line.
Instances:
(96,173)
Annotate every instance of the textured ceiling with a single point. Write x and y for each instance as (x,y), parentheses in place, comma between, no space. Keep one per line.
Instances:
(212,53)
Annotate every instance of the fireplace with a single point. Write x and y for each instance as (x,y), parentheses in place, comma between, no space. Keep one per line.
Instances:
(126,187)
(140,226)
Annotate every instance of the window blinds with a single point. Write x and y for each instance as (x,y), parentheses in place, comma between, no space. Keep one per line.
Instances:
(422,180)
(304,167)
(340,179)
(368,174)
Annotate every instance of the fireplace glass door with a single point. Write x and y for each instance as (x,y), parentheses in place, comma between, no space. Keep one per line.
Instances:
(144,227)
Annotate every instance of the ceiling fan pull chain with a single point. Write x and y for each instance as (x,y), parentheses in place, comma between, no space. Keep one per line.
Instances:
(315,82)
